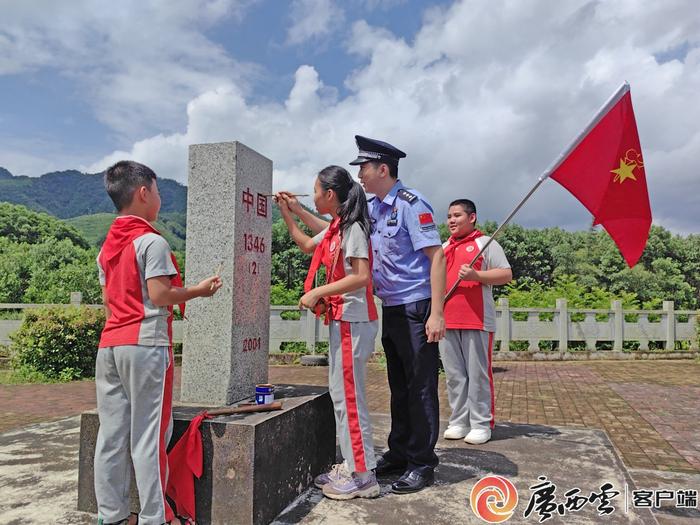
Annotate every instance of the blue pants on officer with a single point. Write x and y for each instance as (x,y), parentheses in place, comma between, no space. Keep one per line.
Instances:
(412,367)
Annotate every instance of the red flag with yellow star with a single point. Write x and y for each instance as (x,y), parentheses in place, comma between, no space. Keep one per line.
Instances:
(604,170)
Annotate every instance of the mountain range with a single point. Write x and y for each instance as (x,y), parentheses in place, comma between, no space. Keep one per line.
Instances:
(70,193)
(81,200)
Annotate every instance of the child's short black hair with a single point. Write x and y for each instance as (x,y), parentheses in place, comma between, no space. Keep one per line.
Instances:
(124,178)
(466,204)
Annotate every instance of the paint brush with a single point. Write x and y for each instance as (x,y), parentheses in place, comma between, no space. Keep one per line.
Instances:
(217,274)
(291,195)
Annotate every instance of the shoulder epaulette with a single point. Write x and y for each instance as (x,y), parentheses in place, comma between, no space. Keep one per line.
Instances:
(407,196)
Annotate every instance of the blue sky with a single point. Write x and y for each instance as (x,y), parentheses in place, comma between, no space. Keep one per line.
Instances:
(481,94)
(45,105)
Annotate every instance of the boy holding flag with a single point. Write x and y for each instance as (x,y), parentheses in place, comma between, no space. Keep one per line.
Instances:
(470,320)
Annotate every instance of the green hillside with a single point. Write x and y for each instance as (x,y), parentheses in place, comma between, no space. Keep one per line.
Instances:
(74,195)
(81,201)
(94,227)
(20,225)
(70,193)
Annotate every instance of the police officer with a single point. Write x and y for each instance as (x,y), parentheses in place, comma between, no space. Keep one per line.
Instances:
(408,269)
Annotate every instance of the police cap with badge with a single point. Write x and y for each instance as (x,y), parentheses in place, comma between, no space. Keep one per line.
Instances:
(372,150)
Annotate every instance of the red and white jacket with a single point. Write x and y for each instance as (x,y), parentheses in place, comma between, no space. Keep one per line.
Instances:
(471,306)
(133,252)
(331,244)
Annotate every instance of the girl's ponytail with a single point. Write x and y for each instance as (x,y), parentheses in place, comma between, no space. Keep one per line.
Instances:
(353,203)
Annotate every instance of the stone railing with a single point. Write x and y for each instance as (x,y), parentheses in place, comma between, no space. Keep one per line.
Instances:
(521,333)
(571,333)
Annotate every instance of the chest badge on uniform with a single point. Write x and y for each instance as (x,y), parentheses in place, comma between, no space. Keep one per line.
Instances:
(470,248)
(393,218)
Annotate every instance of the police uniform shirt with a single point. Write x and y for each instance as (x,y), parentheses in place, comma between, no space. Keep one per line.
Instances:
(403,226)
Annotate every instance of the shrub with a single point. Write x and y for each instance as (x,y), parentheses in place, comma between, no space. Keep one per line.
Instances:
(59,342)
(279,295)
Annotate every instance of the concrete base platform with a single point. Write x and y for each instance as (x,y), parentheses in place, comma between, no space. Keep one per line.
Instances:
(39,480)
(569,458)
(254,464)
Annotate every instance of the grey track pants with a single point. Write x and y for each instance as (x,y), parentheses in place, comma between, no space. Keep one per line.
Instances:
(134,401)
(466,356)
(351,345)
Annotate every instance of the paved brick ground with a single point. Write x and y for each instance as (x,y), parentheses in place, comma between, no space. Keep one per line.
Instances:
(649,409)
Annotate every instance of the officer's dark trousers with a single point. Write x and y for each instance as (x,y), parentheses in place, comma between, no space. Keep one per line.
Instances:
(412,367)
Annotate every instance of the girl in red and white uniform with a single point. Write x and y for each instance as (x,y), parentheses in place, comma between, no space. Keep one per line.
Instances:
(343,247)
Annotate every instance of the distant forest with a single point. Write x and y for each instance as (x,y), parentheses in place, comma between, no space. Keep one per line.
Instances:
(70,193)
(44,258)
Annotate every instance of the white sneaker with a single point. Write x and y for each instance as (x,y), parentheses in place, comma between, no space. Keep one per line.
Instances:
(337,471)
(455,432)
(478,436)
(349,486)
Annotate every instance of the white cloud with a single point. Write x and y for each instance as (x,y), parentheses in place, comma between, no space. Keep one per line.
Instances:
(138,63)
(482,100)
(312,19)
(37,156)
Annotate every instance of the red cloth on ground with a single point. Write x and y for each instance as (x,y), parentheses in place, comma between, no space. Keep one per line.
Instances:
(184,464)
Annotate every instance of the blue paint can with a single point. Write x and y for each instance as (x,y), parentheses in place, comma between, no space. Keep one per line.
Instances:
(264,394)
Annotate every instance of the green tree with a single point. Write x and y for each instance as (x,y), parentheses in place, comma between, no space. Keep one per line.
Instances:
(538,295)
(47,272)
(20,224)
(528,252)
(444,231)
(289,263)
(15,270)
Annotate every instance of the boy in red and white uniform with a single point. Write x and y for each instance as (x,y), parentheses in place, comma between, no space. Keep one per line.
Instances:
(134,369)
(470,319)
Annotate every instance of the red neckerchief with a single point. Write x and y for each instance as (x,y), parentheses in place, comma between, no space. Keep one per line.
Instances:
(123,231)
(320,253)
(454,243)
(322,248)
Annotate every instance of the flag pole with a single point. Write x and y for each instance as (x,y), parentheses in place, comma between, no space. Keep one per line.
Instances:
(614,99)
(498,230)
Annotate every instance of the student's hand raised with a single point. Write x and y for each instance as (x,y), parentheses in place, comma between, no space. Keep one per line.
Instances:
(282,204)
(289,200)
(209,286)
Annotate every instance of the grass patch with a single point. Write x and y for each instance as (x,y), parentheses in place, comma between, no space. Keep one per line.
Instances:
(299,347)
(23,376)
(11,315)
(5,377)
